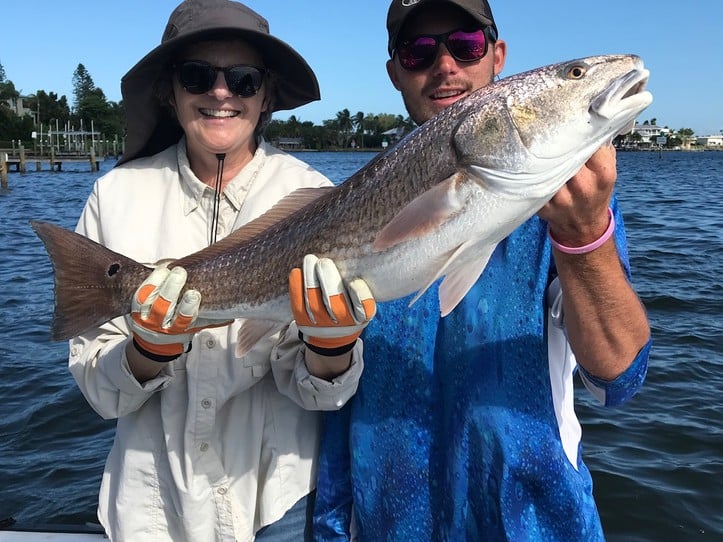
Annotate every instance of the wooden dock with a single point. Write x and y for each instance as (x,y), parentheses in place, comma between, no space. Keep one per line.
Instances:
(12,160)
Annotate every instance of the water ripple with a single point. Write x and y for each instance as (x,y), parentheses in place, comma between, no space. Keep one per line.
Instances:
(656,462)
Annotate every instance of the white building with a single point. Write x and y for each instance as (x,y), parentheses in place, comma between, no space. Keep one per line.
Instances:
(16,106)
(710,141)
(648,132)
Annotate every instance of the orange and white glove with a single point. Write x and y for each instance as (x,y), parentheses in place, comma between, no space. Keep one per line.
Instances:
(330,314)
(161,324)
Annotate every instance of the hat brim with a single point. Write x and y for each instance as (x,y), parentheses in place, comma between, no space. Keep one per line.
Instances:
(146,133)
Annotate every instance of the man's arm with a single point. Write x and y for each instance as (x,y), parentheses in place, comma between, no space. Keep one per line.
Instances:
(606,322)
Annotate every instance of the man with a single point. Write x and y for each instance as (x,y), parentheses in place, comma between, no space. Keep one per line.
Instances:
(463,428)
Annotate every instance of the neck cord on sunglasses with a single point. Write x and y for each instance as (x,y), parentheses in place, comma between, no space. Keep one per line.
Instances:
(217,197)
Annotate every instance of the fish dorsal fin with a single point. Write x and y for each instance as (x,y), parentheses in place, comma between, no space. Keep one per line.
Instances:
(423,214)
(460,272)
(283,208)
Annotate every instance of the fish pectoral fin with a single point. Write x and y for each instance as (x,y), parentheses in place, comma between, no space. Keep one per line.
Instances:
(251,332)
(422,215)
(461,278)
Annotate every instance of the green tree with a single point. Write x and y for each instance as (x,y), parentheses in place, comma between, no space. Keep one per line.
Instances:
(83,85)
(293,126)
(7,91)
(344,127)
(92,109)
(13,126)
(358,123)
(673,141)
(2,73)
(96,112)
(686,135)
(51,107)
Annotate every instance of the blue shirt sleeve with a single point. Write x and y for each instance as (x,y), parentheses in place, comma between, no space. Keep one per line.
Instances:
(616,392)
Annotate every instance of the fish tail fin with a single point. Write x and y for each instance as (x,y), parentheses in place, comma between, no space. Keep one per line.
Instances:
(93,284)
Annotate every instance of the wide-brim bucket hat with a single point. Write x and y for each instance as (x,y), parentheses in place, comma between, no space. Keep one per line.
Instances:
(149,125)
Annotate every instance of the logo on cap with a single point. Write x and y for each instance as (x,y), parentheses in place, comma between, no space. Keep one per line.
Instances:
(407,3)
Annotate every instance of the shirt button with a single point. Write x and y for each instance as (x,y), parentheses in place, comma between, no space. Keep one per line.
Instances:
(204,446)
(210,343)
(222,490)
(206,403)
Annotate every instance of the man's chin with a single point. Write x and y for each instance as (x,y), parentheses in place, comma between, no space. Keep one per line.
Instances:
(432,107)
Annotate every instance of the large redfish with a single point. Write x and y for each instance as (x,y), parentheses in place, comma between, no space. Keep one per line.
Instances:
(435,205)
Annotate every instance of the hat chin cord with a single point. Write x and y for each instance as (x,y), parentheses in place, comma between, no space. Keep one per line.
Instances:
(217,197)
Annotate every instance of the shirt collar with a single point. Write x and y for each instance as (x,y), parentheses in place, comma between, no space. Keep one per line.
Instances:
(235,192)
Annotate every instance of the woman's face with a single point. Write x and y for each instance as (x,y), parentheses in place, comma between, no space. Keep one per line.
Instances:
(218,121)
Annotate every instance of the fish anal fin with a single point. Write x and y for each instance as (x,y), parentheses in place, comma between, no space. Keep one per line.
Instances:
(251,332)
(460,271)
(461,278)
(422,215)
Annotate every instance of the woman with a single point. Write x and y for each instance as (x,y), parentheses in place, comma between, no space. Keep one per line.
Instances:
(210,444)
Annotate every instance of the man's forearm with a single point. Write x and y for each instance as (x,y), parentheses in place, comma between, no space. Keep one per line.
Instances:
(606,322)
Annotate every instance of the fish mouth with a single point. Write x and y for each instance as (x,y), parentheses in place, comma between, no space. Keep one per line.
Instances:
(623,100)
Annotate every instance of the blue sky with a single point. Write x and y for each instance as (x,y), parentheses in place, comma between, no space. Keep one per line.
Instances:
(43,41)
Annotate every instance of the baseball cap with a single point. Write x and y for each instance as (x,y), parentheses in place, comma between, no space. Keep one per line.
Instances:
(400,10)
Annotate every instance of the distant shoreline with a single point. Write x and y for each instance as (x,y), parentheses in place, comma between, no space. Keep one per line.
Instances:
(708,149)
(619,149)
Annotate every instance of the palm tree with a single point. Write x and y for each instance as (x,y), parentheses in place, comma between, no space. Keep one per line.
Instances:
(343,120)
(358,122)
(293,124)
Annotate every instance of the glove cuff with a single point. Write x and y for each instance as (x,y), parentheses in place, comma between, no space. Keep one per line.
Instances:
(328,351)
(162,353)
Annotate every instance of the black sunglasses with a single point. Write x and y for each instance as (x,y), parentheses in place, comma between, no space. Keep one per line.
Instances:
(419,52)
(198,77)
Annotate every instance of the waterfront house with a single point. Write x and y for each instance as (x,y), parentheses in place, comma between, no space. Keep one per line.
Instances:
(17,106)
(289,143)
(649,132)
(715,141)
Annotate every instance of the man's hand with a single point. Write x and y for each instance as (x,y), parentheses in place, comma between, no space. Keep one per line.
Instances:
(329,314)
(578,213)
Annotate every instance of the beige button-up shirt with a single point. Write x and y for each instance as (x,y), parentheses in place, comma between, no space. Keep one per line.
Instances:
(216,446)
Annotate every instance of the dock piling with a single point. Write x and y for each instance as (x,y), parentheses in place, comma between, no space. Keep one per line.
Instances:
(3,170)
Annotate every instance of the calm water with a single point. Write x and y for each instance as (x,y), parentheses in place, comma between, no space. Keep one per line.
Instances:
(657,461)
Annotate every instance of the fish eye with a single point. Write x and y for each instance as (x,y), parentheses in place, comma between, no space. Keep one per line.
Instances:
(576,71)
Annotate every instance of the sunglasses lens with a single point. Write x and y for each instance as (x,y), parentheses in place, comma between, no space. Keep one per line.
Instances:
(244,80)
(196,77)
(199,77)
(467,46)
(418,54)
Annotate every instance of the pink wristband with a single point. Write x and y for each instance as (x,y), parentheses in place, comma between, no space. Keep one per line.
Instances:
(586,248)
